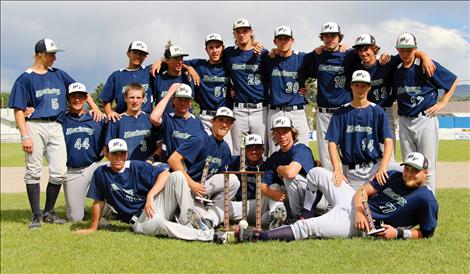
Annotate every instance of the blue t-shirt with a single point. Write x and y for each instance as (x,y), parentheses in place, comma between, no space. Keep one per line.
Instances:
(84,139)
(282,78)
(176,130)
(163,82)
(46,93)
(381,76)
(138,132)
(212,90)
(117,83)
(329,68)
(125,191)
(245,73)
(298,152)
(400,206)
(198,148)
(358,132)
(415,91)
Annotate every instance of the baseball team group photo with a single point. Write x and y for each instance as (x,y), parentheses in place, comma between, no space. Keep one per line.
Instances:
(253,157)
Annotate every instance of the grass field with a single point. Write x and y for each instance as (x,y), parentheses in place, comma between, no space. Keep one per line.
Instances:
(56,249)
(449,151)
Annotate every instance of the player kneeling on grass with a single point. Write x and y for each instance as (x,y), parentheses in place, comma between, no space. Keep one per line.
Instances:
(357,129)
(404,201)
(274,212)
(147,197)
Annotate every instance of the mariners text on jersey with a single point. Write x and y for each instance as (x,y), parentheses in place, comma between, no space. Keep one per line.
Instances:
(358,128)
(80,129)
(245,67)
(42,92)
(332,68)
(135,133)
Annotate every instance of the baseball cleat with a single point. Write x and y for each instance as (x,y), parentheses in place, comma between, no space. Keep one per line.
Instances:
(221,237)
(51,217)
(246,235)
(197,221)
(35,221)
(278,217)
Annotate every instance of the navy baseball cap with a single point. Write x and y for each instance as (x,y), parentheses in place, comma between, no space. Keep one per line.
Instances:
(46,45)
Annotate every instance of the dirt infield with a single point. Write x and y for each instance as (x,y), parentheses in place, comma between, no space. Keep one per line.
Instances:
(450,175)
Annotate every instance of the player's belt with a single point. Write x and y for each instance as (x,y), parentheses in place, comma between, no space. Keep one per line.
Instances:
(327,110)
(288,108)
(362,165)
(50,119)
(208,112)
(250,105)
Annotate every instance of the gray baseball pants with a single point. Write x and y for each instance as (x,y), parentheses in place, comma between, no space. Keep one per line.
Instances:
(249,121)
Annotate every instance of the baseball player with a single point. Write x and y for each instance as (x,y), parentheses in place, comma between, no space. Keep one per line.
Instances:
(250,101)
(84,139)
(381,76)
(289,167)
(282,79)
(134,126)
(416,95)
(275,212)
(329,69)
(191,157)
(174,74)
(147,197)
(356,130)
(118,81)
(178,125)
(402,202)
(43,88)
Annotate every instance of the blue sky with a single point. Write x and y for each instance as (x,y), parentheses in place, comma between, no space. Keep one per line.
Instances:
(95,35)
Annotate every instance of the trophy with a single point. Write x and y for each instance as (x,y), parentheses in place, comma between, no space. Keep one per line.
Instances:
(205,173)
(372,229)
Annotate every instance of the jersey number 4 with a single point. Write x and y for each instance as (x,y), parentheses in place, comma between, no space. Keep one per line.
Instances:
(79,145)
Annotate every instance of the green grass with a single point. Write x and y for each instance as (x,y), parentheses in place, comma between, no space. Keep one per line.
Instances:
(449,151)
(56,249)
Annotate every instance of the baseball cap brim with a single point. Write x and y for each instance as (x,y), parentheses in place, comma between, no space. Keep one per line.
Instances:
(233,118)
(415,166)
(405,46)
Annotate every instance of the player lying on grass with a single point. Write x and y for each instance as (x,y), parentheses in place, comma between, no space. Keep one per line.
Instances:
(404,201)
(147,197)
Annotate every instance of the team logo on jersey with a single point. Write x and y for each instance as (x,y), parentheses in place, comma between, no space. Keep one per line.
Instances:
(390,193)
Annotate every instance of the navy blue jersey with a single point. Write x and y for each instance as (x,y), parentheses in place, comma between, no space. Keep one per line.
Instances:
(117,83)
(197,148)
(400,206)
(251,179)
(125,191)
(176,130)
(245,73)
(84,139)
(163,82)
(330,70)
(46,93)
(298,152)
(358,132)
(282,79)
(138,132)
(381,81)
(415,91)
(212,90)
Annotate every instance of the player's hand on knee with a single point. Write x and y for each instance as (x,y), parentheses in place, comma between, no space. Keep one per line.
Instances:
(389,233)
(338,178)
(27,145)
(198,189)
(279,196)
(114,116)
(149,209)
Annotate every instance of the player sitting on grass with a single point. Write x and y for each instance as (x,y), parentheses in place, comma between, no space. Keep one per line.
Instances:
(147,197)
(404,201)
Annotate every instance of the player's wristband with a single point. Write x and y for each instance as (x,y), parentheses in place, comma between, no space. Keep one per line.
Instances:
(25,137)
(400,233)
(407,234)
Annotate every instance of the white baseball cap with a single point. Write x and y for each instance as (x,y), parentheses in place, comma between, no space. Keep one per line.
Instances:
(282,122)
(184,91)
(361,76)
(406,40)
(224,112)
(330,27)
(138,45)
(416,160)
(241,23)
(253,139)
(214,37)
(116,145)
(284,31)
(364,39)
(77,87)
(174,51)
(46,45)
